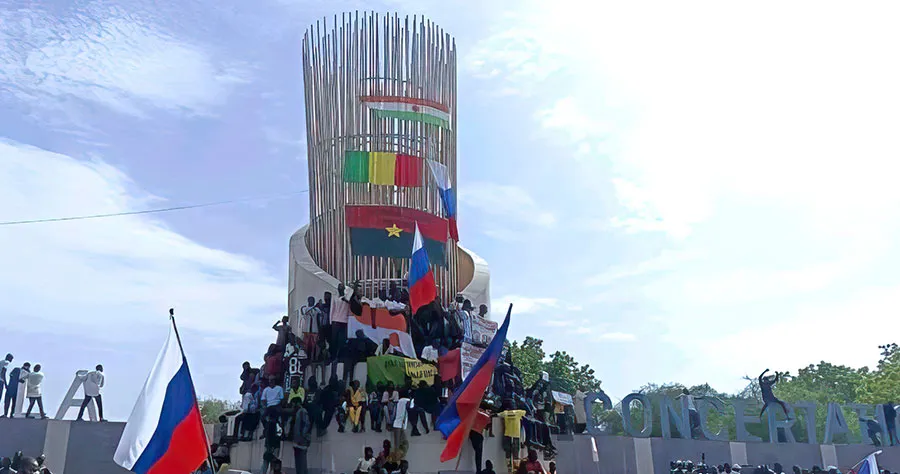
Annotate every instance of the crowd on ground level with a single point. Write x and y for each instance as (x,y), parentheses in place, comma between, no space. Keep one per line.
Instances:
(20,464)
(28,381)
(432,338)
(689,467)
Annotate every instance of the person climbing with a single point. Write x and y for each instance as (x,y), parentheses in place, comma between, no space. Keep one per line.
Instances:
(766,384)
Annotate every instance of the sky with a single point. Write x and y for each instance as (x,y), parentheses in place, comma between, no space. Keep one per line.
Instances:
(688,192)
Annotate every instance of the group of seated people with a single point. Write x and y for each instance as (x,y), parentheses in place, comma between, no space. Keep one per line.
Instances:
(21,464)
(388,460)
(434,331)
(688,467)
(323,340)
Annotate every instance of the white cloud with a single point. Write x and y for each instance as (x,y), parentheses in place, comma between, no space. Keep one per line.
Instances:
(565,117)
(84,276)
(508,211)
(512,202)
(667,260)
(707,109)
(847,333)
(616,337)
(559,323)
(525,304)
(114,60)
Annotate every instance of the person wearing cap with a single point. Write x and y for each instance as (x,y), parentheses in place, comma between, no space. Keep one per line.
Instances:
(736,468)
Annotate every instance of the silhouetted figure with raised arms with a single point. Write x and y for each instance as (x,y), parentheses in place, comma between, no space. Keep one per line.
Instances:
(766,383)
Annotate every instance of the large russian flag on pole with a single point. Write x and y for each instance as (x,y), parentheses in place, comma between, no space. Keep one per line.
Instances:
(422,290)
(461,413)
(164,434)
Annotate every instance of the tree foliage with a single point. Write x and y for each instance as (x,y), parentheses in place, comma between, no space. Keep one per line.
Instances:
(566,374)
(820,383)
(883,384)
(211,408)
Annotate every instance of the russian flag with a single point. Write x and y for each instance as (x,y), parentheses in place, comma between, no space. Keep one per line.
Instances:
(461,414)
(448,194)
(164,434)
(868,465)
(422,290)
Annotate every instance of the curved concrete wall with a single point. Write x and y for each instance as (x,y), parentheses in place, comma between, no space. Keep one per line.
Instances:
(476,286)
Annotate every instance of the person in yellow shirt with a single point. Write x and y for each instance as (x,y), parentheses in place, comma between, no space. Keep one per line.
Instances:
(357,404)
(512,430)
(296,397)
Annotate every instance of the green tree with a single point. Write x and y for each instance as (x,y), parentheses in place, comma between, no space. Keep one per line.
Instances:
(211,408)
(566,374)
(823,383)
(883,384)
(528,357)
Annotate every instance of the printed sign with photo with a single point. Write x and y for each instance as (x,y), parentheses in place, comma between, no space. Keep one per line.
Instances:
(469,356)
(483,331)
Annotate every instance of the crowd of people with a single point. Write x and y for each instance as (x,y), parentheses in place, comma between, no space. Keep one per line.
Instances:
(21,464)
(292,405)
(27,381)
(689,467)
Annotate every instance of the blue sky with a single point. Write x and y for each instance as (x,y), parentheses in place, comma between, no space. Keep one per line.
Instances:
(688,193)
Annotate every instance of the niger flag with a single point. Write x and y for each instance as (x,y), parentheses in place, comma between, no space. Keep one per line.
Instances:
(388,231)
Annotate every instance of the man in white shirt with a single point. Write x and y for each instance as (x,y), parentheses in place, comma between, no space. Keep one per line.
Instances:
(272,397)
(92,385)
(34,381)
(339,316)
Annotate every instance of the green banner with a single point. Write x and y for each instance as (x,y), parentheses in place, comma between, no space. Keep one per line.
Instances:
(384,369)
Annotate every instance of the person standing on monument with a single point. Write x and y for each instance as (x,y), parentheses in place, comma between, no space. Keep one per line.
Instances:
(890,421)
(16,377)
(35,379)
(92,385)
(3,365)
(766,384)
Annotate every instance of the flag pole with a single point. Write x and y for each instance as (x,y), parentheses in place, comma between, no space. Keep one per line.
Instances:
(209,458)
(876,453)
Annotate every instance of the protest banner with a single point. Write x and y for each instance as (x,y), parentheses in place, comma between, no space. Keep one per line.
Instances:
(469,356)
(420,371)
(384,369)
(395,369)
(483,331)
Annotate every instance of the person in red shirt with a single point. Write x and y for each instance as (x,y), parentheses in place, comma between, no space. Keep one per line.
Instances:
(530,464)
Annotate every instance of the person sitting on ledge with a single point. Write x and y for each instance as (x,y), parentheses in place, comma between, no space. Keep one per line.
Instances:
(29,465)
(530,464)
(357,407)
(382,460)
(366,464)
(404,467)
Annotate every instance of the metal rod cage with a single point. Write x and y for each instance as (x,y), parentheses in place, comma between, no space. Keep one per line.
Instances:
(374,55)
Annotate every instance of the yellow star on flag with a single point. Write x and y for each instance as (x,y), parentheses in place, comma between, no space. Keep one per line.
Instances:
(393,230)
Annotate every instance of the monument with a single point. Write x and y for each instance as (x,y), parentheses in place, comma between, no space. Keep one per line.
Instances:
(381,132)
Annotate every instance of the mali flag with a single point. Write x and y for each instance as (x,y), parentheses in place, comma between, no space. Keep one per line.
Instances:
(382,168)
(388,231)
